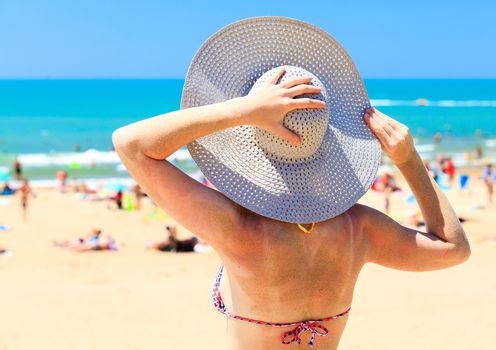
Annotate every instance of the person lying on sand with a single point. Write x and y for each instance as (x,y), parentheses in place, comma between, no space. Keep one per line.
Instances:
(173,244)
(290,151)
(5,252)
(106,243)
(92,241)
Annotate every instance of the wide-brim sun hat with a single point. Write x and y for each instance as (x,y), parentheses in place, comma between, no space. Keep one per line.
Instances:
(339,156)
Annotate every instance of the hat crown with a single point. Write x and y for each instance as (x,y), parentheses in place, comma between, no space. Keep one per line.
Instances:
(309,123)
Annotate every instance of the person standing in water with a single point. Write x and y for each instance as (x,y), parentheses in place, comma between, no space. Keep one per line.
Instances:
(17,169)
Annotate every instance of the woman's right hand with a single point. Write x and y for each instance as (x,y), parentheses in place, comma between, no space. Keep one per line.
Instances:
(267,106)
(394,137)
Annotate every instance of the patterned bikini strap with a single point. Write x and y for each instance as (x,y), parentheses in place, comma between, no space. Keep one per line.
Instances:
(216,297)
(314,326)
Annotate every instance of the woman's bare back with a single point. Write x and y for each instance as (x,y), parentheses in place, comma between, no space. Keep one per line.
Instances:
(281,274)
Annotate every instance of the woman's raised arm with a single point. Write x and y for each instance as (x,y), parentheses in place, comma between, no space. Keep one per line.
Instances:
(444,244)
(144,145)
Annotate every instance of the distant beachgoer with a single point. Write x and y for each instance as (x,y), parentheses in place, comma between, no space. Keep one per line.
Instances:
(449,169)
(438,137)
(91,242)
(138,194)
(7,190)
(488,177)
(26,191)
(17,169)
(91,238)
(94,236)
(438,168)
(172,244)
(387,185)
(421,101)
(440,159)
(62,178)
(117,198)
(478,152)
(5,252)
(89,193)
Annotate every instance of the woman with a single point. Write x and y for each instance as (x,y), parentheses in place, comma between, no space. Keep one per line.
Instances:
(26,192)
(292,260)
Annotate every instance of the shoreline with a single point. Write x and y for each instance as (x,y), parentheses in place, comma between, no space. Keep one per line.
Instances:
(94,164)
(474,167)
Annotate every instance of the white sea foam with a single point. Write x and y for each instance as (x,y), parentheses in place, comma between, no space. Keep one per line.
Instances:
(490,143)
(430,103)
(429,147)
(381,103)
(87,158)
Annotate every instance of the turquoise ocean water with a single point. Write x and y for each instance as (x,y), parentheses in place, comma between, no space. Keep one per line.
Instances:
(67,124)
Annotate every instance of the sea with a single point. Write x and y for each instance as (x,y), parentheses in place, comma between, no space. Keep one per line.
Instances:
(67,124)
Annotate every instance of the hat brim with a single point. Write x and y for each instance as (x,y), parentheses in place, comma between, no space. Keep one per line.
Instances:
(227,65)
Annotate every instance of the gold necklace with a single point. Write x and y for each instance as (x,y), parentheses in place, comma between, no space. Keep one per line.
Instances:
(304,230)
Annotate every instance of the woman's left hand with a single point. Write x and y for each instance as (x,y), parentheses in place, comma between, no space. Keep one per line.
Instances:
(267,106)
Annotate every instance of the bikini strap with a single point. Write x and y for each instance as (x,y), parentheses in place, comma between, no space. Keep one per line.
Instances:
(315,327)
(216,297)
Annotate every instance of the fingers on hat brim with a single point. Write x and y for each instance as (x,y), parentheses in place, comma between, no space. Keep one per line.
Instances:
(277,75)
(300,103)
(376,128)
(303,89)
(296,81)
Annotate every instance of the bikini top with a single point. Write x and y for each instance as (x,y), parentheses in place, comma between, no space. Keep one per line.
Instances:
(313,326)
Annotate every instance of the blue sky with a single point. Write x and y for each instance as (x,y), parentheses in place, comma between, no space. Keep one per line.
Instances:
(157,39)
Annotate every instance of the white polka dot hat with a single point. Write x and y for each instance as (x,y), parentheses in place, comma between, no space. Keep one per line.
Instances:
(338,158)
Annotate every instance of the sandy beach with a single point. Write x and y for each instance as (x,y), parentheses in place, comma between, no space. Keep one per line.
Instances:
(135,298)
